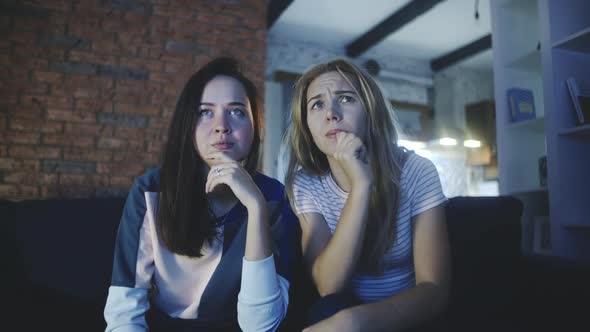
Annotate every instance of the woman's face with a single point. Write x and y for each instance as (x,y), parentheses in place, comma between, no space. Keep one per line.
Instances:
(225,123)
(333,105)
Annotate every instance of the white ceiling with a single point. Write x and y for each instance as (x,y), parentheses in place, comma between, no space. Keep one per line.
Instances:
(335,23)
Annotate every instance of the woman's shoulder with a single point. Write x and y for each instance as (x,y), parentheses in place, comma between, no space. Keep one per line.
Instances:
(303,176)
(148,181)
(415,162)
(270,187)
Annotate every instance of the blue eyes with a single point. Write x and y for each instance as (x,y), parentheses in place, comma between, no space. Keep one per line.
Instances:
(236,112)
(343,99)
(205,112)
(317,105)
(346,99)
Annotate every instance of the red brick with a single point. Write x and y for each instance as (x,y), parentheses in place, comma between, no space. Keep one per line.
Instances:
(156,134)
(45,178)
(88,129)
(28,191)
(19,164)
(83,179)
(3,150)
(20,177)
(8,191)
(159,123)
(121,181)
(29,24)
(61,102)
(36,125)
(69,140)
(155,147)
(91,104)
(89,32)
(149,65)
(70,116)
(37,88)
(34,152)
(85,93)
(139,157)
(120,168)
(133,145)
(48,77)
(60,5)
(81,154)
(21,137)
(106,47)
(8,98)
(138,109)
(130,133)
(111,143)
(158,22)
(81,56)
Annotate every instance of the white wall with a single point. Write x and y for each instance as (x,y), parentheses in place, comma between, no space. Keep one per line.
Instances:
(456,87)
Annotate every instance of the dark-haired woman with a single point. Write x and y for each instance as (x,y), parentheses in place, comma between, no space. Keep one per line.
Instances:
(205,242)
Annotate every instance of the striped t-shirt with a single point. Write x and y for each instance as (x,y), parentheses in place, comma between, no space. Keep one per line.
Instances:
(420,191)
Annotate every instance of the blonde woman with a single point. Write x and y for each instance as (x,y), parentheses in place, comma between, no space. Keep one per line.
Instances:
(374,234)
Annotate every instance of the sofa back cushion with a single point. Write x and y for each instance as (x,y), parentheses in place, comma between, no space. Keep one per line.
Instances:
(485,238)
(67,245)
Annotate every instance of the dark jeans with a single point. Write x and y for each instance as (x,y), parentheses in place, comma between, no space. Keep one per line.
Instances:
(329,305)
(161,322)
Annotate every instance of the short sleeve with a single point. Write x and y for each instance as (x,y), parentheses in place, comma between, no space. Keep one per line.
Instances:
(427,190)
(304,199)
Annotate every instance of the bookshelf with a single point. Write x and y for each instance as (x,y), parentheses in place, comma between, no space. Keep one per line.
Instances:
(565,50)
(516,42)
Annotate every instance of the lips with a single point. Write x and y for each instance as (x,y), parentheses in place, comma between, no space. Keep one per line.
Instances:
(332,133)
(222,146)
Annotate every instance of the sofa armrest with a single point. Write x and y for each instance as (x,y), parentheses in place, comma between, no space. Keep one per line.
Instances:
(554,292)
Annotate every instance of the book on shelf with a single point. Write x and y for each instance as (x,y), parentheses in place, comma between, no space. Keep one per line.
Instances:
(580,95)
(521,104)
(541,235)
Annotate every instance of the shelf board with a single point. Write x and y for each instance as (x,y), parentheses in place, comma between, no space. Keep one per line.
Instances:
(579,131)
(577,223)
(529,61)
(524,7)
(577,42)
(537,124)
(530,191)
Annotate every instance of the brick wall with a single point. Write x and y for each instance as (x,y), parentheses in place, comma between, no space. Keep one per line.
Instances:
(87,87)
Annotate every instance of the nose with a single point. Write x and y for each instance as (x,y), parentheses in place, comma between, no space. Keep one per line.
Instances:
(333,112)
(222,125)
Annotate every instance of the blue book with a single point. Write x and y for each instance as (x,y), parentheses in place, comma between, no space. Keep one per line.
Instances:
(521,104)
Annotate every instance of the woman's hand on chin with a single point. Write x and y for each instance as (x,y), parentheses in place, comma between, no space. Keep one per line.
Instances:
(231,173)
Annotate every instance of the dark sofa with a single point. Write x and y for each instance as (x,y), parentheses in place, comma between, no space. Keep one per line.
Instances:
(57,257)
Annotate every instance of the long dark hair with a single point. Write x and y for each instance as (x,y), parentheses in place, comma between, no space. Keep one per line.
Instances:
(184,222)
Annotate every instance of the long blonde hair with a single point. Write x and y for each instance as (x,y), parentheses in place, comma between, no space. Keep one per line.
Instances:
(386,158)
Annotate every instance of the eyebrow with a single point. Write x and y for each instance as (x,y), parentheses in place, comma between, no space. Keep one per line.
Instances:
(337,92)
(233,103)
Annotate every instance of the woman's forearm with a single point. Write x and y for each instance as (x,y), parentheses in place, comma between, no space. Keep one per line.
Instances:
(407,309)
(258,234)
(336,264)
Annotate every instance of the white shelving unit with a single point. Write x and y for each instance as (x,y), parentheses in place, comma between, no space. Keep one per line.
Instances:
(517,64)
(537,45)
(565,48)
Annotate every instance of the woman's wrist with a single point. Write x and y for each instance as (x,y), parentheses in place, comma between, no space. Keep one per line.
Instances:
(351,318)
(257,208)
